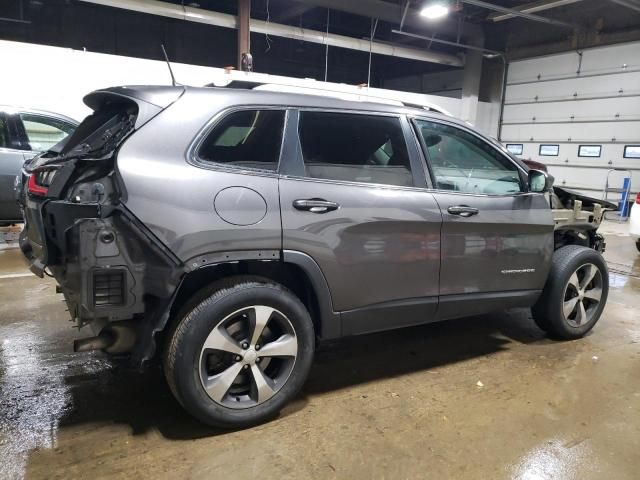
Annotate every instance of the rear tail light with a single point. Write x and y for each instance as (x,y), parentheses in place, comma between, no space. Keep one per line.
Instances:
(34,189)
(638,198)
(39,182)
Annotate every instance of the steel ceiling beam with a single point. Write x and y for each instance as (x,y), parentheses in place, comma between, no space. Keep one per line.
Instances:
(446,42)
(511,11)
(532,8)
(210,17)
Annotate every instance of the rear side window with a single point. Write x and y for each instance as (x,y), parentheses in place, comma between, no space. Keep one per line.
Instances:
(354,147)
(247,138)
(44,132)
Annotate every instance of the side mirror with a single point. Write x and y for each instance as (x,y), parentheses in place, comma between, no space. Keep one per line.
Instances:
(539,181)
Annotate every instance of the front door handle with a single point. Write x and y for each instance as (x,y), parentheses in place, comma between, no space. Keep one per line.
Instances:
(315,205)
(463,211)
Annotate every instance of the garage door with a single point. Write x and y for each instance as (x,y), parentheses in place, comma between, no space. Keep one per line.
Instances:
(579,113)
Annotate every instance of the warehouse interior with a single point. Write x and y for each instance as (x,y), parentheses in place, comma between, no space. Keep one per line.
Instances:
(550,86)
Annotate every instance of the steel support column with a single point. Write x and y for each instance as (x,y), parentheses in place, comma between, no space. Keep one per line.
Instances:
(471,84)
(244,32)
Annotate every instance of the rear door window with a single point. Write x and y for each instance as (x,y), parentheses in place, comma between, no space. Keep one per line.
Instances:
(44,132)
(245,139)
(354,147)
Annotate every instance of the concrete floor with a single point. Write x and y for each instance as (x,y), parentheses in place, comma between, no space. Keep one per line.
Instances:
(486,397)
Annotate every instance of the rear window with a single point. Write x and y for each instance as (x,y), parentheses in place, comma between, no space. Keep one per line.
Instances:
(247,139)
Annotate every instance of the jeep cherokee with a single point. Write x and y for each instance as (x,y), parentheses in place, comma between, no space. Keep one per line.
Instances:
(229,230)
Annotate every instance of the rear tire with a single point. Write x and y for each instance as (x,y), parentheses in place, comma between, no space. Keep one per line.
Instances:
(575,293)
(239,354)
(638,245)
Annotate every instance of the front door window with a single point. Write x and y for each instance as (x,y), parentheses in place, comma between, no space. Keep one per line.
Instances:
(461,162)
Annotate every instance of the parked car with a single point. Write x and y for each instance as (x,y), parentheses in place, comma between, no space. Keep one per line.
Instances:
(634,221)
(23,134)
(231,230)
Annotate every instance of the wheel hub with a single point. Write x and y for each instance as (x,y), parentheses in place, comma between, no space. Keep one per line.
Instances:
(582,295)
(257,347)
(250,356)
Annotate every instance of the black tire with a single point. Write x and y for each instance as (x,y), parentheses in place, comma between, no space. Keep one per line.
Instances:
(548,311)
(638,245)
(185,346)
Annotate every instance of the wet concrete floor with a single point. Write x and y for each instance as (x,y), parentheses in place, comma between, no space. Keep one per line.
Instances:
(401,404)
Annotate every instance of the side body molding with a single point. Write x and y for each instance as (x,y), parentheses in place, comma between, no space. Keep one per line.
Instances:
(330,322)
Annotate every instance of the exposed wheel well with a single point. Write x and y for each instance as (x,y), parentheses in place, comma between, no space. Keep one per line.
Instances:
(287,274)
(576,236)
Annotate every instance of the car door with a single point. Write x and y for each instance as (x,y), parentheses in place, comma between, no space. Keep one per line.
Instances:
(497,238)
(27,135)
(11,160)
(352,199)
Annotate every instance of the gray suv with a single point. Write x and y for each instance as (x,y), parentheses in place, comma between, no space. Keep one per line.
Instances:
(23,134)
(227,231)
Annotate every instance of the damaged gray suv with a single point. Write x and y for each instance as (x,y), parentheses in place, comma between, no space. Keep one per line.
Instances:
(227,231)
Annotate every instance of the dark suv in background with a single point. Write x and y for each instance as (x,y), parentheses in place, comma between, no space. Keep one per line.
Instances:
(229,230)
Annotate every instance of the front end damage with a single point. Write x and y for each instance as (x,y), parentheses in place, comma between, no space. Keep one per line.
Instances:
(577,218)
(116,277)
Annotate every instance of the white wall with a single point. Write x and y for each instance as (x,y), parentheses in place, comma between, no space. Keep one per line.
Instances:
(56,79)
(547,101)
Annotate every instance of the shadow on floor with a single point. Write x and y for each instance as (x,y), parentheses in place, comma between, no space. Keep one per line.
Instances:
(366,358)
(115,394)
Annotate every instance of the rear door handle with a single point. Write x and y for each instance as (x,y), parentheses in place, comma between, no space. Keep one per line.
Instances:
(463,211)
(315,205)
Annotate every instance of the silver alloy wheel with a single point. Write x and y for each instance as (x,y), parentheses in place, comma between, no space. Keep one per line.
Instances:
(248,357)
(582,295)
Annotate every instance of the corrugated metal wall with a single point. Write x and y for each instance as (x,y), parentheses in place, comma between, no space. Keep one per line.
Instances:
(590,97)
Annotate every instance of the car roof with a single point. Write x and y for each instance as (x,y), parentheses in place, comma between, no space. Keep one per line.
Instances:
(156,94)
(266,97)
(36,111)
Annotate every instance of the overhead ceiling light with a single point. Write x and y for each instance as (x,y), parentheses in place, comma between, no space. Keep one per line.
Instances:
(433,11)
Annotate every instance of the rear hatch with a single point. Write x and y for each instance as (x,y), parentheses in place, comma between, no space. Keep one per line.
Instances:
(51,206)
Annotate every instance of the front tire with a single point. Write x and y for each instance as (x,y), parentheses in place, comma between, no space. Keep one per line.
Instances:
(638,245)
(575,293)
(238,356)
